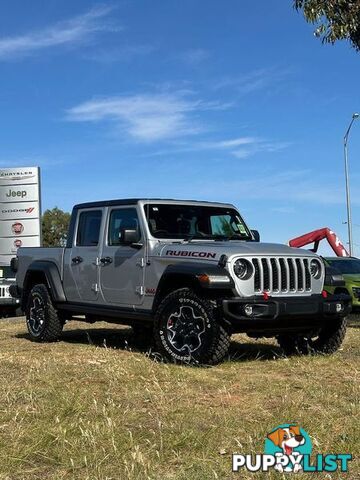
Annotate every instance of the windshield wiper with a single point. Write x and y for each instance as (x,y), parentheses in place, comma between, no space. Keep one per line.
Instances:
(188,238)
(238,235)
(230,237)
(220,237)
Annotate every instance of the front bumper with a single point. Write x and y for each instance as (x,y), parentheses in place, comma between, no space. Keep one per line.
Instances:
(279,314)
(9,302)
(12,300)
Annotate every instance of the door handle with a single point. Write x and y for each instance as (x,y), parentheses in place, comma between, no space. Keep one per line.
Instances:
(106,260)
(76,260)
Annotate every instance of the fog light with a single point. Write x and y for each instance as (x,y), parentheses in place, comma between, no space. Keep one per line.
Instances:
(356,292)
(248,309)
(339,307)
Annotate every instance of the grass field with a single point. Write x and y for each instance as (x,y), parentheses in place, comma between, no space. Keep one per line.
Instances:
(93,406)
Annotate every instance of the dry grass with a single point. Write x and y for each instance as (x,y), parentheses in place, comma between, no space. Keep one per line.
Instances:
(90,408)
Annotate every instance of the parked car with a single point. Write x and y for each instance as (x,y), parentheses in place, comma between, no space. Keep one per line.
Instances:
(8,304)
(350,270)
(189,273)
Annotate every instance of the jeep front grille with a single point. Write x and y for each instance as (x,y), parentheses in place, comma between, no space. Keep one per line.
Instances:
(272,274)
(3,292)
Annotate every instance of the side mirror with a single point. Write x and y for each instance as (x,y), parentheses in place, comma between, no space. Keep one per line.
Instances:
(256,235)
(128,237)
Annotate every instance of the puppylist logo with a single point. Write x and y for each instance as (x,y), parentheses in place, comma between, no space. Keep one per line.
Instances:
(288,449)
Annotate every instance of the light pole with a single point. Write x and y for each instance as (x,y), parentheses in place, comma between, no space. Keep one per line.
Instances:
(348,205)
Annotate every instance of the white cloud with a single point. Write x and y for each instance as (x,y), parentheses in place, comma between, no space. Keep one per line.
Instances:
(234,142)
(151,117)
(194,56)
(71,32)
(239,147)
(120,53)
(146,117)
(259,146)
(300,186)
(251,81)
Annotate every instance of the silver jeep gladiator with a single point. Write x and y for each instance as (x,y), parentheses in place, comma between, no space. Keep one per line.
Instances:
(188,273)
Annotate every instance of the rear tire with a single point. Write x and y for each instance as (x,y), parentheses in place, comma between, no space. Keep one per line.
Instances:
(326,341)
(42,319)
(187,330)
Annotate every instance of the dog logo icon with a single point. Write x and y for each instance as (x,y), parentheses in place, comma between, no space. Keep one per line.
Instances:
(288,442)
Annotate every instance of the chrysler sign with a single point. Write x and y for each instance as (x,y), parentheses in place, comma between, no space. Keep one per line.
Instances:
(19,210)
(18,176)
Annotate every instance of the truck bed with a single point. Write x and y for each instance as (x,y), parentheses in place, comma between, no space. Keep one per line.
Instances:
(28,255)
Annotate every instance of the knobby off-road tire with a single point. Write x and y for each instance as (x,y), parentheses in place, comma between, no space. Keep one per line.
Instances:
(327,340)
(186,329)
(42,319)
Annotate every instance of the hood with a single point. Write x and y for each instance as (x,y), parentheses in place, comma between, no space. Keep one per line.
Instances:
(213,250)
(352,277)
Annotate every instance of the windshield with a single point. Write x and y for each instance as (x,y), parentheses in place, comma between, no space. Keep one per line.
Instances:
(189,221)
(345,266)
(6,272)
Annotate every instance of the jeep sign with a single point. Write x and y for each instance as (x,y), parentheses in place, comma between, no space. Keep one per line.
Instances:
(19,210)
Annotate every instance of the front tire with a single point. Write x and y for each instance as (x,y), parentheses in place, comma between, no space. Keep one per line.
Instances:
(187,330)
(327,340)
(42,319)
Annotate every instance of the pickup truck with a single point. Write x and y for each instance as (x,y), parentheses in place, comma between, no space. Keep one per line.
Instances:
(188,273)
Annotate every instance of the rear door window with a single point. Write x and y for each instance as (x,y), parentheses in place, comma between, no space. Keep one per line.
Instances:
(88,232)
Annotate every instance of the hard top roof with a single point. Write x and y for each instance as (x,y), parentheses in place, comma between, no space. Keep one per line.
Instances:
(134,201)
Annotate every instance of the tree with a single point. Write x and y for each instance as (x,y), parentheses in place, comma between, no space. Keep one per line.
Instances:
(55,224)
(335,19)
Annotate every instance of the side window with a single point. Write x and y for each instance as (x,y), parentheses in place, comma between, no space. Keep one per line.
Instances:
(88,231)
(121,219)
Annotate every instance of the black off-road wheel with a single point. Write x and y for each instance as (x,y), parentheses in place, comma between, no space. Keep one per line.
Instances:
(42,319)
(187,329)
(326,340)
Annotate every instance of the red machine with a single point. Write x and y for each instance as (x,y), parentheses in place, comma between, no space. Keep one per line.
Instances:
(316,236)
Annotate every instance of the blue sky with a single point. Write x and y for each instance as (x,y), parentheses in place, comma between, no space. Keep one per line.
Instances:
(230,101)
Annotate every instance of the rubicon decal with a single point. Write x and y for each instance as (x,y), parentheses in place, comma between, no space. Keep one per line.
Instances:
(187,253)
(150,291)
(288,449)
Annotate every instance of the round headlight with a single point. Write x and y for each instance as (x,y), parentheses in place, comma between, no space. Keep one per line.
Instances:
(315,268)
(243,269)
(7,289)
